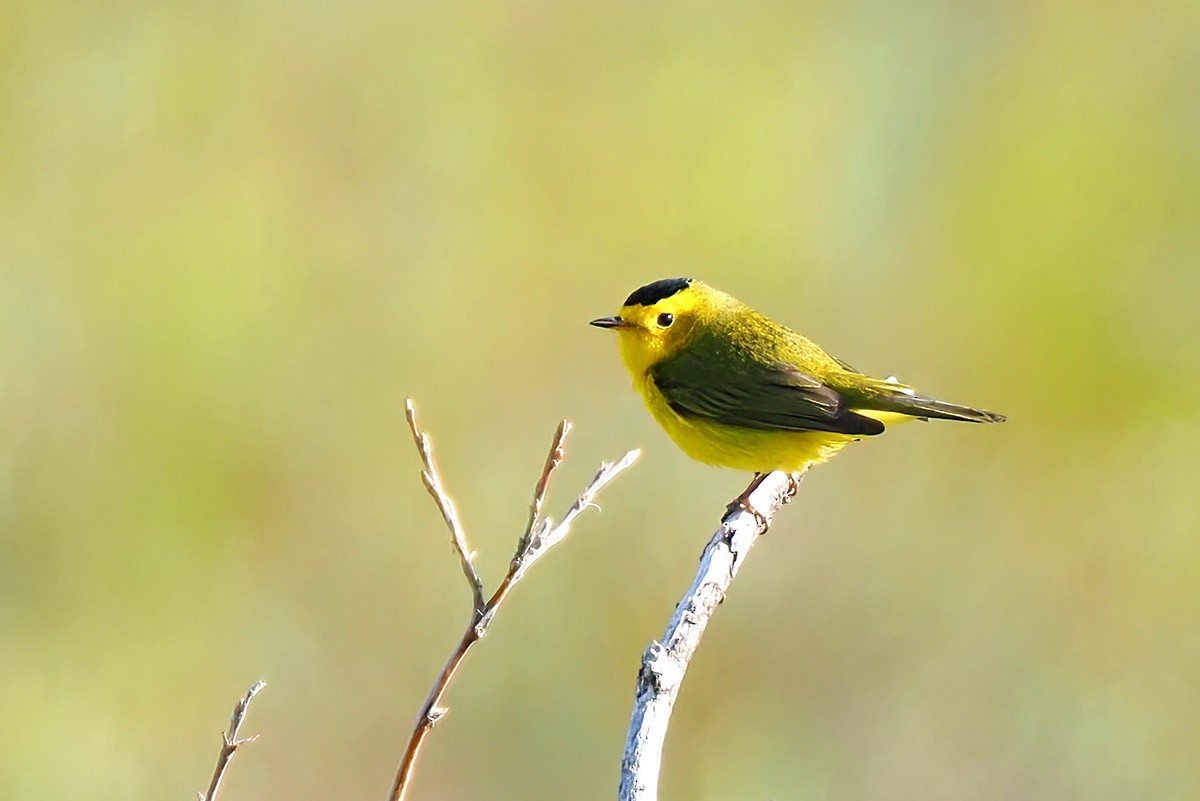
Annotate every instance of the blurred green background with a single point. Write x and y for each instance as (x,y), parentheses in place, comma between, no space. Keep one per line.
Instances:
(235,236)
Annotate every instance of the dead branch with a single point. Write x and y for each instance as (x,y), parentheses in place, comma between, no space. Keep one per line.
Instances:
(540,535)
(665,661)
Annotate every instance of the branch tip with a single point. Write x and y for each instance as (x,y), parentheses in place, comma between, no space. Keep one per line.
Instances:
(433,485)
(230,742)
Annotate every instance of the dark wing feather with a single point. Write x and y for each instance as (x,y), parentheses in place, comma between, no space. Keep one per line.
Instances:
(770,398)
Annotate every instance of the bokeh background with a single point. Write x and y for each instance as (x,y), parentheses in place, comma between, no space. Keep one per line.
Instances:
(235,236)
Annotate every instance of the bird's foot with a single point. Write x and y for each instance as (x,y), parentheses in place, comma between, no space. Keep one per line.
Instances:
(743,502)
(794,484)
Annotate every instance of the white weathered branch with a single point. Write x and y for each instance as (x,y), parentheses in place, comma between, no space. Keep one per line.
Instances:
(665,661)
(539,536)
(230,741)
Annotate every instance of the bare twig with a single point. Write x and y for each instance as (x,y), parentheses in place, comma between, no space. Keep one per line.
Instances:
(230,741)
(433,483)
(553,460)
(665,662)
(544,534)
(539,536)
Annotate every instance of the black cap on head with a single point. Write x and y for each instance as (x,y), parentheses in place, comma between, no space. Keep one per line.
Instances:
(653,293)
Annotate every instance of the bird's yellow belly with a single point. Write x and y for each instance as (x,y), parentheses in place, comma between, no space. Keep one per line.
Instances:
(741,448)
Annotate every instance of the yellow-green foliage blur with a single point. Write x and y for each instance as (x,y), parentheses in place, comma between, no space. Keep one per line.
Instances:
(235,236)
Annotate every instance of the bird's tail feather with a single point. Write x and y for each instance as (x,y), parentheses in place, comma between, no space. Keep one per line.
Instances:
(921,406)
(902,399)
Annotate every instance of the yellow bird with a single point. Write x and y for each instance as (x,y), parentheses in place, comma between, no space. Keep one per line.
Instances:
(736,389)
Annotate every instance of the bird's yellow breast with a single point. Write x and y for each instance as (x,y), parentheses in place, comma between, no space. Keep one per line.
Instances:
(739,448)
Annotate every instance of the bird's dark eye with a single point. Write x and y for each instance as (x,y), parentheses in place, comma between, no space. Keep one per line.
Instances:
(665,319)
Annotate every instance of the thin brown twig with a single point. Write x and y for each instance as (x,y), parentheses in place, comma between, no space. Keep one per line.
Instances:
(539,536)
(230,741)
(545,534)
(553,459)
(433,483)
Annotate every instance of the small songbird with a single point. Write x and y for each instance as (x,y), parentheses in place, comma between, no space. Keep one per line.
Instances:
(735,389)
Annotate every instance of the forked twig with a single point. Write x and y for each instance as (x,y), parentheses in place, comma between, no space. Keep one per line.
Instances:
(230,741)
(540,535)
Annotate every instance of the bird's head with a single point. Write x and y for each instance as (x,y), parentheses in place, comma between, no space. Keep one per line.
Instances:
(658,320)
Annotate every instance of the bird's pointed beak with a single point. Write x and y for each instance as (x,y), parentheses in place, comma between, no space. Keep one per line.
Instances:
(610,322)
